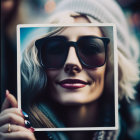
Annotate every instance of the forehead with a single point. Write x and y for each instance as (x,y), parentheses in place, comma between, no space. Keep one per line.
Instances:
(81,31)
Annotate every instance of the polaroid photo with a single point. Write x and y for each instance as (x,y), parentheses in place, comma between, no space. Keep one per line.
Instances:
(68,76)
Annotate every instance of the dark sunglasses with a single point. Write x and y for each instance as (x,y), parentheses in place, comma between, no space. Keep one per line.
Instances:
(53,51)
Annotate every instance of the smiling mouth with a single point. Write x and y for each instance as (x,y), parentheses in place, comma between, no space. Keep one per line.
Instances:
(72,83)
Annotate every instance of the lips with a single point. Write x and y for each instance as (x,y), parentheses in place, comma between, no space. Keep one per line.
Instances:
(72,83)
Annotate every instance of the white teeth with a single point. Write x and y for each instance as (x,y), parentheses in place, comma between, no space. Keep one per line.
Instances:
(75,84)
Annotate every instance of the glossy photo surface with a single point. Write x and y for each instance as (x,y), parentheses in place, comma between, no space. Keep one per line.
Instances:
(71,65)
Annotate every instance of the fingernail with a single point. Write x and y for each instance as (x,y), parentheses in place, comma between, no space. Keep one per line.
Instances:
(27,124)
(31,129)
(25,115)
(7,93)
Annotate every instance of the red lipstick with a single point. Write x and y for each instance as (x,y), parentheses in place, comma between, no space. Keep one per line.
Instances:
(72,83)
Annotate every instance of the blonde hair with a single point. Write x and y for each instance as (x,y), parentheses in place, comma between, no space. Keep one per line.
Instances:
(128,74)
(32,71)
(128,71)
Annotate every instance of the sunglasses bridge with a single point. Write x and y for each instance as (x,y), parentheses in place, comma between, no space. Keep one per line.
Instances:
(71,44)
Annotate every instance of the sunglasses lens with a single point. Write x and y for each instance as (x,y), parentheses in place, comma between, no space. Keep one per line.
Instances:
(91,51)
(54,52)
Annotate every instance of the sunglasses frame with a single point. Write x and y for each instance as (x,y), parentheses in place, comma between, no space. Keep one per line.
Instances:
(39,43)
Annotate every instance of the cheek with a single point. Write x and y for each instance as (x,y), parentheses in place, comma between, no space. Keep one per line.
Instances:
(97,77)
(51,74)
(97,74)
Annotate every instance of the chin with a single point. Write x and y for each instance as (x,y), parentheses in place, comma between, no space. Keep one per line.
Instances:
(76,96)
(74,101)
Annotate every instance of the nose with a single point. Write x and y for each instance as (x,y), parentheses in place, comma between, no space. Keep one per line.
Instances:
(72,64)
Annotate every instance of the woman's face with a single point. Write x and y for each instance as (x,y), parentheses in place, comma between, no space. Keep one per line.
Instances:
(79,84)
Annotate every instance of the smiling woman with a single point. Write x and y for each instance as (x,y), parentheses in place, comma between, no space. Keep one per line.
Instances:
(79,80)
(65,72)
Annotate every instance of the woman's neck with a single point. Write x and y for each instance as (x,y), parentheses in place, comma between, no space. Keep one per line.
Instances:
(79,115)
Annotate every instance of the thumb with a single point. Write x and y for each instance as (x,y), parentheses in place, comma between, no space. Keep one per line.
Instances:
(10,101)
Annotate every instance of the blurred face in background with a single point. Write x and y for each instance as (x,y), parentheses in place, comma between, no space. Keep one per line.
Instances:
(73,83)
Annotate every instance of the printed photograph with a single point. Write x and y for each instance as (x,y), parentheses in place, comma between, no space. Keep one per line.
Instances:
(66,76)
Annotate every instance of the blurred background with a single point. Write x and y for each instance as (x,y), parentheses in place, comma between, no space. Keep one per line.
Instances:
(15,12)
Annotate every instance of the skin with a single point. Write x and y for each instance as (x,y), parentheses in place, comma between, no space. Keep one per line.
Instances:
(95,77)
(11,114)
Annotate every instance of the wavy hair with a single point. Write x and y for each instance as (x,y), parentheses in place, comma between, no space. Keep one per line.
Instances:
(34,78)
(128,74)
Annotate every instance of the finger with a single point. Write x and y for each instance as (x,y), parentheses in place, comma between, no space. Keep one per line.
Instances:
(12,110)
(13,128)
(11,118)
(12,99)
(22,135)
(9,101)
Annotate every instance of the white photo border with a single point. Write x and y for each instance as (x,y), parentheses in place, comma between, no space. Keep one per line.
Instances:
(115,73)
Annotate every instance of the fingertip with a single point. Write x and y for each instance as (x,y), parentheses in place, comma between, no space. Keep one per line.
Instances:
(12,100)
(25,115)
(9,101)
(7,92)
